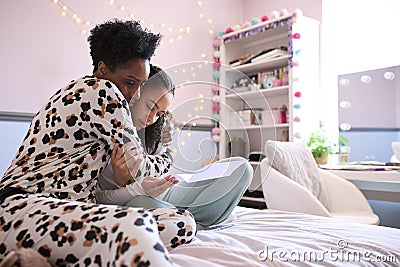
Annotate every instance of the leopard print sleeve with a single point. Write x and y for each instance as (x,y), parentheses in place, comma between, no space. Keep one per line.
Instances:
(70,139)
(114,109)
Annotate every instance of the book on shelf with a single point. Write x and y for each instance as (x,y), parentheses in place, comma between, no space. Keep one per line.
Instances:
(269,55)
(263,54)
(212,171)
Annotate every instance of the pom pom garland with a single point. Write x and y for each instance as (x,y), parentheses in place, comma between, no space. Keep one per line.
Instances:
(246,24)
(255,21)
(216,107)
(228,30)
(297,13)
(216,138)
(297,94)
(217,43)
(215,117)
(216,74)
(215,88)
(216,131)
(296,36)
(237,27)
(275,14)
(217,64)
(283,12)
(216,98)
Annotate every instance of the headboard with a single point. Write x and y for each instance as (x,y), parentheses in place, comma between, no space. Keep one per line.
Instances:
(14,125)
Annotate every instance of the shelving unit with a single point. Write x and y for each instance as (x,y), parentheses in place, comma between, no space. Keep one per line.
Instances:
(300,95)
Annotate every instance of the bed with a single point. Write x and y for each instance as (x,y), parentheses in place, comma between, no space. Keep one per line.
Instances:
(254,237)
(276,238)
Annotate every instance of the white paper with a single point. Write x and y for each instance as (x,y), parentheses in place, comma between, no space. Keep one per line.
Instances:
(214,170)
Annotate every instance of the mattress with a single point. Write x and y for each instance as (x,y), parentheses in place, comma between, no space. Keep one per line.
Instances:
(277,238)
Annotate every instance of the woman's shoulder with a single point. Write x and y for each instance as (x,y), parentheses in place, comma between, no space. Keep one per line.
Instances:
(88,86)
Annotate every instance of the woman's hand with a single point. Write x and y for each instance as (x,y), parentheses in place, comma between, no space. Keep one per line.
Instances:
(156,186)
(125,163)
(168,130)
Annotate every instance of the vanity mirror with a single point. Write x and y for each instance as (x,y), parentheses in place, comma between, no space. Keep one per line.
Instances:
(369,112)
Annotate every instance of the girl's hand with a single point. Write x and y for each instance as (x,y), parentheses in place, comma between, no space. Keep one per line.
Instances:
(125,163)
(156,186)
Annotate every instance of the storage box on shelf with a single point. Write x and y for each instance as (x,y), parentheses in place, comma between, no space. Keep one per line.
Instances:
(271,86)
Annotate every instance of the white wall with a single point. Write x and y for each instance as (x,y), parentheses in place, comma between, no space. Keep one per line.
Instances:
(356,36)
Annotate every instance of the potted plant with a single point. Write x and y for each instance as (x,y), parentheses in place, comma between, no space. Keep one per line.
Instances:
(321,146)
(344,150)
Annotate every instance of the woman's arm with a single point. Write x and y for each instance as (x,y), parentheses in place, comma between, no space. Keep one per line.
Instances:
(110,120)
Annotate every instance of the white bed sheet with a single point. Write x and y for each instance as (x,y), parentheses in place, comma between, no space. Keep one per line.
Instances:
(275,238)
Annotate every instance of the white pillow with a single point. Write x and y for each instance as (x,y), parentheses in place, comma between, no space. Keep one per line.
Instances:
(396,151)
(294,160)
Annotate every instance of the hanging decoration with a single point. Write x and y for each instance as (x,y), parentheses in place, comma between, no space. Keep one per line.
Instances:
(296,48)
(216,108)
(176,32)
(66,11)
(84,25)
(203,17)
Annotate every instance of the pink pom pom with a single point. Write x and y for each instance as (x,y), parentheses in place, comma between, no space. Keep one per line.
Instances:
(296,36)
(296,119)
(264,18)
(283,12)
(215,88)
(216,131)
(228,30)
(217,43)
(297,94)
(217,64)
(297,13)
(246,24)
(216,108)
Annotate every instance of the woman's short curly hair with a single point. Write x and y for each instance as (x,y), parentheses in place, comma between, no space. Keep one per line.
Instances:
(116,42)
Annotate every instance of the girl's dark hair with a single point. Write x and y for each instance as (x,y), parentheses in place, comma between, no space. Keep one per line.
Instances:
(117,42)
(151,135)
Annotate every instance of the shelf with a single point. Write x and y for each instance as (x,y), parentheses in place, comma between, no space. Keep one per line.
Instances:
(260,66)
(256,127)
(281,90)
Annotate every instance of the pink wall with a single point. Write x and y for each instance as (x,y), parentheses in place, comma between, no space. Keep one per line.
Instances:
(42,51)
(256,8)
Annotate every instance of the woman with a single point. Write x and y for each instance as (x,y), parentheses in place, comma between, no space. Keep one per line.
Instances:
(211,201)
(47,197)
